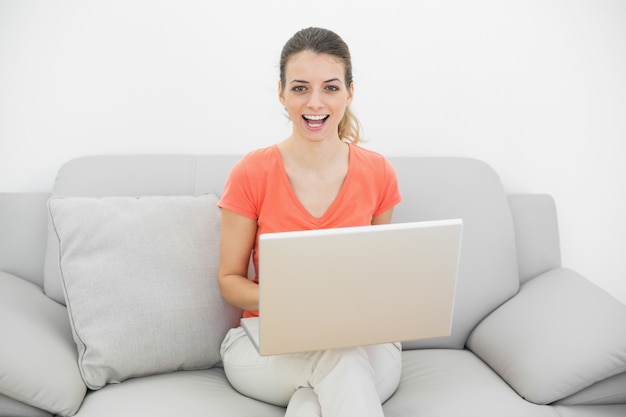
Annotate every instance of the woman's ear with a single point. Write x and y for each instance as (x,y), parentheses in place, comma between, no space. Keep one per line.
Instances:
(350,93)
(281,97)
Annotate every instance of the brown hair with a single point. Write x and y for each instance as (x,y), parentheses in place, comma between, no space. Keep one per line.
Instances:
(324,41)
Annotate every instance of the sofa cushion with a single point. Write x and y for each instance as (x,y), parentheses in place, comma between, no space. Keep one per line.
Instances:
(13,408)
(131,175)
(185,393)
(608,391)
(611,410)
(37,354)
(558,336)
(454,382)
(139,277)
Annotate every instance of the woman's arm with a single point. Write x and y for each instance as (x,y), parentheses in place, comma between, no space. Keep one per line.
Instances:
(383,218)
(237,241)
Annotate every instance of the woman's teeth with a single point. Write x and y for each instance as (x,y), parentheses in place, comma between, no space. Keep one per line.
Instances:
(315,120)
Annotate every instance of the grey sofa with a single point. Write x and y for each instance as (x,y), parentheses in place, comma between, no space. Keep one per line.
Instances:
(529,338)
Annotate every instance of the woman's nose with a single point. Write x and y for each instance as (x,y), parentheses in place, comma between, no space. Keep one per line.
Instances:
(315,100)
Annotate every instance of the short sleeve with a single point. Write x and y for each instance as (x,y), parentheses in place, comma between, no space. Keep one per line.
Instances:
(238,195)
(390,192)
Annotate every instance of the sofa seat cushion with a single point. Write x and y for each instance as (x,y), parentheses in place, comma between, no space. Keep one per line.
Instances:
(614,410)
(37,354)
(451,382)
(608,391)
(140,281)
(183,393)
(13,408)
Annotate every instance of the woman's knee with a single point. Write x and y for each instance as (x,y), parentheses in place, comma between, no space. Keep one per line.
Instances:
(304,403)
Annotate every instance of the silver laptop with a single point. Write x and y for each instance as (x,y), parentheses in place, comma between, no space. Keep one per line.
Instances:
(355,286)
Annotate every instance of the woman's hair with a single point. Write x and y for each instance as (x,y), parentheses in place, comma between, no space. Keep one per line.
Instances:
(324,41)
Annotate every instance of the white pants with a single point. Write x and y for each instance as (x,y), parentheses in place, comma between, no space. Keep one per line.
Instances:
(331,383)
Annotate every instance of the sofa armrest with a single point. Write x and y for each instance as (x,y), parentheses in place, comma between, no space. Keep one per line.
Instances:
(536,234)
(38,357)
(557,336)
(23,234)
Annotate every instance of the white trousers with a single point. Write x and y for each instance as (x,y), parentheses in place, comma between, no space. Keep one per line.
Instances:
(331,383)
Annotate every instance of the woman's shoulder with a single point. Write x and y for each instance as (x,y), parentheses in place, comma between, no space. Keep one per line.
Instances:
(368,156)
(258,160)
(260,155)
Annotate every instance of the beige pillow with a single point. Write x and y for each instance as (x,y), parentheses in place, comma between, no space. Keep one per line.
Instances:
(139,276)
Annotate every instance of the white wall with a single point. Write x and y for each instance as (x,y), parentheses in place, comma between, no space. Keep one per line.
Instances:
(535,88)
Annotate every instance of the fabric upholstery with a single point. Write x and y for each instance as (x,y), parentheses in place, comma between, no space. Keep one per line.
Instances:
(131,175)
(37,354)
(140,282)
(559,335)
(14,408)
(196,393)
(590,410)
(454,382)
(608,391)
(536,234)
(23,222)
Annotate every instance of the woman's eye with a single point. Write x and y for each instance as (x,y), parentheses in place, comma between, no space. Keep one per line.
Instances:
(332,88)
(298,89)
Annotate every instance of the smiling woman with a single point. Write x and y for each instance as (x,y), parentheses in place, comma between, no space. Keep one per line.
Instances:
(316,46)
(315,95)
(316,178)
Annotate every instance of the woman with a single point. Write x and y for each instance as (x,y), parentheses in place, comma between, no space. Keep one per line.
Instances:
(316,178)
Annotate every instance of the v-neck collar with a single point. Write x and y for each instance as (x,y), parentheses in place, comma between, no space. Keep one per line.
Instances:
(292,193)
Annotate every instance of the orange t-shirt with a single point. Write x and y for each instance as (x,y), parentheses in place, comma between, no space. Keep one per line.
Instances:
(258,188)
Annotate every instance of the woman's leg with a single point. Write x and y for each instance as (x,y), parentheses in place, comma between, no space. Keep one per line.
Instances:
(304,403)
(272,379)
(386,364)
(386,361)
(346,382)
(355,381)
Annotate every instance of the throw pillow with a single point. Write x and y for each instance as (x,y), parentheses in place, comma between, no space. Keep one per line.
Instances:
(38,369)
(546,342)
(139,277)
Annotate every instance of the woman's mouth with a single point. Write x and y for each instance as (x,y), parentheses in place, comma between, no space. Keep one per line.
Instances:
(314,121)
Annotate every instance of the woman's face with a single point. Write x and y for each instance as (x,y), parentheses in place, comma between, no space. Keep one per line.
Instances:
(315,94)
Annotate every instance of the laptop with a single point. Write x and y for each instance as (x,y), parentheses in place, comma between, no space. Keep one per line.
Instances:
(355,286)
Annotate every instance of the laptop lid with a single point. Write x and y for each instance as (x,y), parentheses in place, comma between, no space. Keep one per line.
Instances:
(354,286)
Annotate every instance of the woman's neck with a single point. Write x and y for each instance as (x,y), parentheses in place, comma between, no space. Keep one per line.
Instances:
(313,154)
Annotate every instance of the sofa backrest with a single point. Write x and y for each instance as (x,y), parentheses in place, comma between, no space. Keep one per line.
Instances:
(432,188)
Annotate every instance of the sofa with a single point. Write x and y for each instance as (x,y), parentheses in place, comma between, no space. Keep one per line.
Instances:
(109,304)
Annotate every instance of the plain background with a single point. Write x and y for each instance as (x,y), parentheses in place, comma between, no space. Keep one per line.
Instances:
(537,89)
